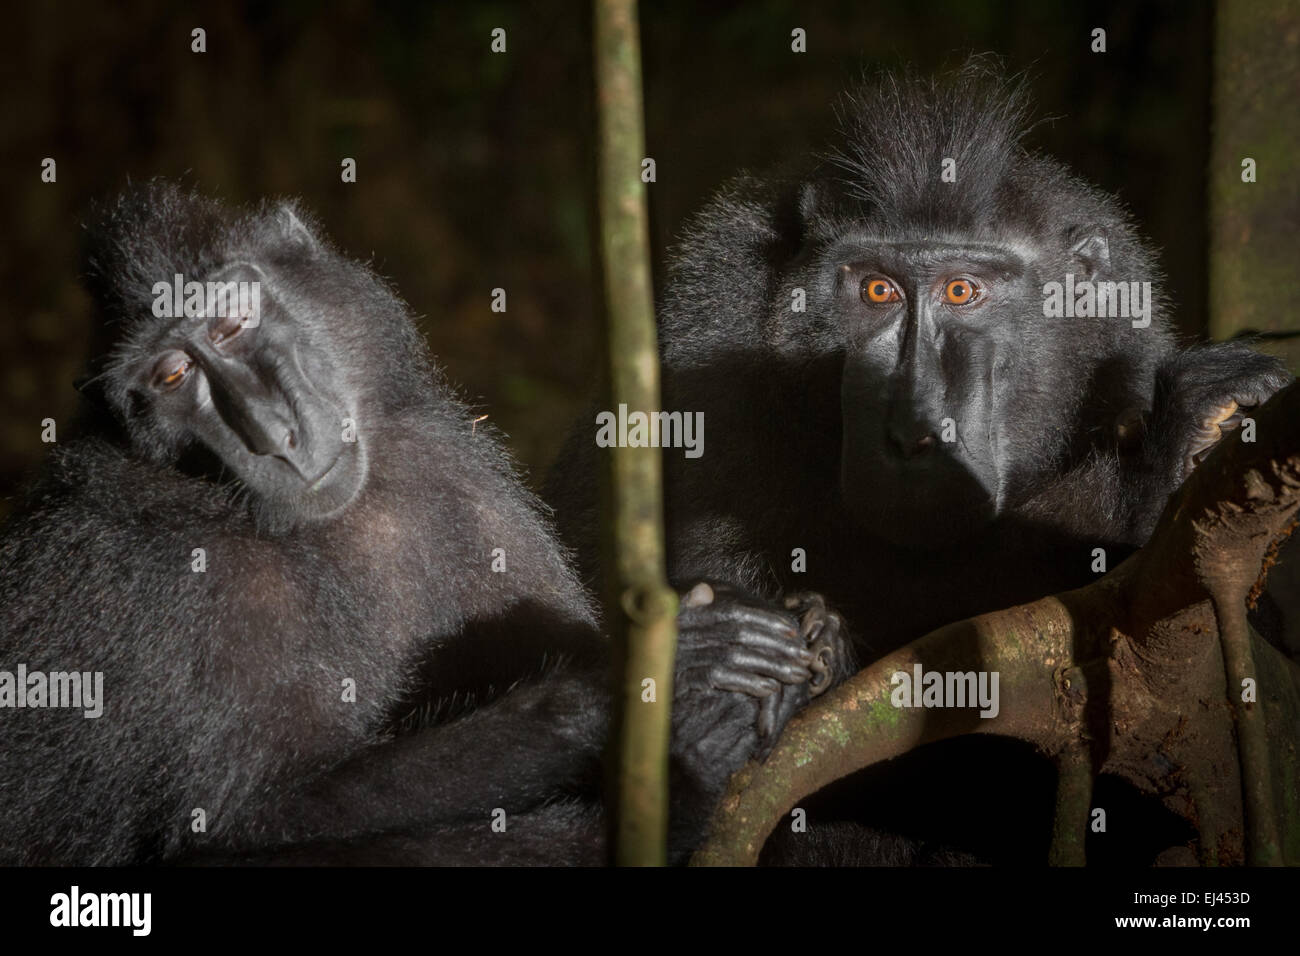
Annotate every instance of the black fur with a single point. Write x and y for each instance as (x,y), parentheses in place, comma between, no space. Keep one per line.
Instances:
(820,424)
(326,561)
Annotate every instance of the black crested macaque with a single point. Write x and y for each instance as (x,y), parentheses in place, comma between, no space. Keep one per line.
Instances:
(937,371)
(315,614)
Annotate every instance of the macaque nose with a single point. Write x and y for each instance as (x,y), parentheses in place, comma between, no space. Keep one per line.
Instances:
(912,447)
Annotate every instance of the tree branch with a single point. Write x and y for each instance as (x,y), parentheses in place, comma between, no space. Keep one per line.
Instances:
(1129,670)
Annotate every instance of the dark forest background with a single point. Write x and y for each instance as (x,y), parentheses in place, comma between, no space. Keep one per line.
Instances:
(476,170)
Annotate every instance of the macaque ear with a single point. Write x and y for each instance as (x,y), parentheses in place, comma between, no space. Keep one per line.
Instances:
(810,200)
(294,228)
(1092,252)
(794,214)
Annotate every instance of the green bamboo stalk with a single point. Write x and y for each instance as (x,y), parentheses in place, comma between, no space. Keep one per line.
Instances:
(643,612)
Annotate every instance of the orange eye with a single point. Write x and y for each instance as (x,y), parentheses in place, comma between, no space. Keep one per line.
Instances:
(879,291)
(171,370)
(960,292)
